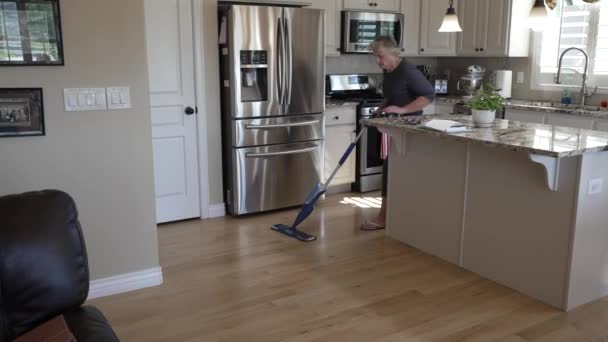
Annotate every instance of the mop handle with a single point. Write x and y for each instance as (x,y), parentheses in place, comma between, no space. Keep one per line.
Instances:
(345,156)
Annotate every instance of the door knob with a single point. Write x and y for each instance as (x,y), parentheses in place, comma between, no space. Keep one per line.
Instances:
(189,111)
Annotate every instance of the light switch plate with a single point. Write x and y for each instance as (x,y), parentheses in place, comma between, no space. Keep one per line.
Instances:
(119,97)
(84,99)
(520,77)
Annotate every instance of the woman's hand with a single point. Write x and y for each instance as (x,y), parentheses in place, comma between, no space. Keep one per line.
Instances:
(395,109)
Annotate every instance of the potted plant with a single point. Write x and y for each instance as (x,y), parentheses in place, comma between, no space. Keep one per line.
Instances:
(484,106)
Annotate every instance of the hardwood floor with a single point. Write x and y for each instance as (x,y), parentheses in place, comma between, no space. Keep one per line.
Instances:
(233,279)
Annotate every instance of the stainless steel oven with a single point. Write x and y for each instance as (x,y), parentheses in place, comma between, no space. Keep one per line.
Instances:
(359,29)
(368,175)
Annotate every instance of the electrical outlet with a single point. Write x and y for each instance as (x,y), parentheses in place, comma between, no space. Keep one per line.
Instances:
(520,77)
(595,186)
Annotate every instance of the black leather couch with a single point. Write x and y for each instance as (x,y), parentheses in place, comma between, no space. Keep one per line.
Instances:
(44,270)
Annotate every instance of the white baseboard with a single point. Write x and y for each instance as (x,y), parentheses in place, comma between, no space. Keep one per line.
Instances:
(125,282)
(217,210)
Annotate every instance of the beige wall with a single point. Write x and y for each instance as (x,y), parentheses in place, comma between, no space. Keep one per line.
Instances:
(212,101)
(102,158)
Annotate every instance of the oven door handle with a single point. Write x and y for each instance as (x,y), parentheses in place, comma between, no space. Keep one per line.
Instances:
(294,124)
(281,153)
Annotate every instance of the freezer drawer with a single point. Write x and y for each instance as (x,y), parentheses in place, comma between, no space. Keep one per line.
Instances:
(273,177)
(277,130)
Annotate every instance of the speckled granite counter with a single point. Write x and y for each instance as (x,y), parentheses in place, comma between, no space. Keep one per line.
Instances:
(544,107)
(333,103)
(551,141)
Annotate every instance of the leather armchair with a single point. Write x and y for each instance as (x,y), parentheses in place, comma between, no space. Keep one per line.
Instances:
(43,267)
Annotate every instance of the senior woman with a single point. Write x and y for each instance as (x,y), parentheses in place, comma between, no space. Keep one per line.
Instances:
(406,91)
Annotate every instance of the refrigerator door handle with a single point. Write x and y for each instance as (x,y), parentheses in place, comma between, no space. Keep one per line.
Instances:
(295,124)
(288,62)
(280,65)
(281,153)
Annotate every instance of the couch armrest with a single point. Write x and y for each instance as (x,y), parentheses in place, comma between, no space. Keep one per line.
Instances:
(88,324)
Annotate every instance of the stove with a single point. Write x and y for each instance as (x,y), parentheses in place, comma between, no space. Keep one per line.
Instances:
(366,90)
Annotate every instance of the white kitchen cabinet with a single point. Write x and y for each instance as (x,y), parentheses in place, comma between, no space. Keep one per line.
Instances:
(340,127)
(332,24)
(566,120)
(432,42)
(601,125)
(525,116)
(470,20)
(493,28)
(411,27)
(373,5)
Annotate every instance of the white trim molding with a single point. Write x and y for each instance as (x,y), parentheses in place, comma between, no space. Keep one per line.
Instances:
(217,210)
(198,22)
(125,282)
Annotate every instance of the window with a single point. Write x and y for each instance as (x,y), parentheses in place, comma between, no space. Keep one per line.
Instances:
(580,25)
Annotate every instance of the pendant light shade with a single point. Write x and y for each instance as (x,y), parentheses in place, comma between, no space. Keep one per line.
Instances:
(538,16)
(450,20)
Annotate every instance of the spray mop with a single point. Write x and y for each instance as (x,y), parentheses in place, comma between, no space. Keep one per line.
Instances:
(309,204)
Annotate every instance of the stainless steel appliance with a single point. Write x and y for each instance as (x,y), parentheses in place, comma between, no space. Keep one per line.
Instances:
(366,90)
(272,63)
(368,175)
(359,29)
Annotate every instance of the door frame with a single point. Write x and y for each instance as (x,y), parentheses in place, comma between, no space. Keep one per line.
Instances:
(198,22)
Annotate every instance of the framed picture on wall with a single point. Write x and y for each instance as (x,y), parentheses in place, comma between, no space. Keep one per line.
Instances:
(21,112)
(30,33)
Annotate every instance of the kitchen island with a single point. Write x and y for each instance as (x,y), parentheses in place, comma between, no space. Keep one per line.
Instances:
(518,203)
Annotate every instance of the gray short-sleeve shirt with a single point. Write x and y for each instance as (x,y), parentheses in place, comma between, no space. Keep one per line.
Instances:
(405,84)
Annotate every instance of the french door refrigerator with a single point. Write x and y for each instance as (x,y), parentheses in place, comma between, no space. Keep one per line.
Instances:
(272,62)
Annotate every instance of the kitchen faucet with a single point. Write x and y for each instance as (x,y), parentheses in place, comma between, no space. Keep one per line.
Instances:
(584,93)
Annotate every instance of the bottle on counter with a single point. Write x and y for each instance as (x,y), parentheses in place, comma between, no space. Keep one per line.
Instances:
(566,96)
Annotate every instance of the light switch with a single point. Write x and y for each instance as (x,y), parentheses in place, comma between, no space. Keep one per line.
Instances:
(520,77)
(595,186)
(81,99)
(119,97)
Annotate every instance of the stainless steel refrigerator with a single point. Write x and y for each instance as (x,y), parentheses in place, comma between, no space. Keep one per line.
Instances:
(272,77)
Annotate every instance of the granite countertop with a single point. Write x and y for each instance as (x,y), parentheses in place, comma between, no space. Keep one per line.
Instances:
(545,107)
(551,141)
(333,103)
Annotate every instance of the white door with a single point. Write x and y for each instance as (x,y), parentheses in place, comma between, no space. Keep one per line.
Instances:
(494,30)
(432,42)
(411,31)
(332,25)
(337,140)
(174,138)
(373,5)
(470,20)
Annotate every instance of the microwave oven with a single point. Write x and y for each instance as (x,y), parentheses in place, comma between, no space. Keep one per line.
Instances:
(359,29)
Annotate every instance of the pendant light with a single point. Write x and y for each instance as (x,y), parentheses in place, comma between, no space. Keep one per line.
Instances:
(538,16)
(450,20)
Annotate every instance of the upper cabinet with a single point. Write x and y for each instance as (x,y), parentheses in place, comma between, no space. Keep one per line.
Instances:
(332,24)
(432,42)
(493,28)
(411,27)
(373,5)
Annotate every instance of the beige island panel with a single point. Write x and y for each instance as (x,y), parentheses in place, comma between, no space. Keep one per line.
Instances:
(518,203)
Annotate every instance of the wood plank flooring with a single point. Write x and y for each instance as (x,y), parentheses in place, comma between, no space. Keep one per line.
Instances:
(233,279)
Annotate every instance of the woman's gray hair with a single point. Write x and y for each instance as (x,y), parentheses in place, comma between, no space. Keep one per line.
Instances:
(386,43)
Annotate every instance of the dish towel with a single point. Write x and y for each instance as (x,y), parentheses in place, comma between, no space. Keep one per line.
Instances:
(384,146)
